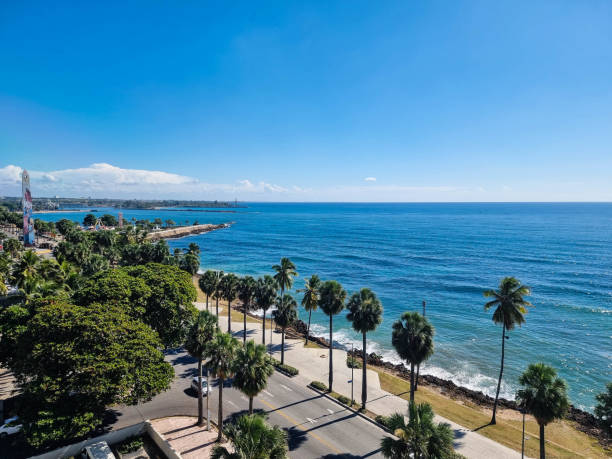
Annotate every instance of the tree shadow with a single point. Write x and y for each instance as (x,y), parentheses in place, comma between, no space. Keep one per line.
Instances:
(482,427)
(295,437)
(184,359)
(342,456)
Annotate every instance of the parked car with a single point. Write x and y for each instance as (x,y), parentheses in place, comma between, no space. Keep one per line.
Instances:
(11,426)
(99,450)
(205,388)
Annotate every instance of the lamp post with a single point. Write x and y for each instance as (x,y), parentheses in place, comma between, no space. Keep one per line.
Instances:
(352,370)
(523,440)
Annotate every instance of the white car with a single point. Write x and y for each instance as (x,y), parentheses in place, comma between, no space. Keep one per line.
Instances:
(10,427)
(205,388)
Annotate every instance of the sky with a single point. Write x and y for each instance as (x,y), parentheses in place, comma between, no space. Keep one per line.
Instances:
(308,101)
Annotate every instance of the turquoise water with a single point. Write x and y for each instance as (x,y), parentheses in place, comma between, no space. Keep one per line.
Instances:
(446,254)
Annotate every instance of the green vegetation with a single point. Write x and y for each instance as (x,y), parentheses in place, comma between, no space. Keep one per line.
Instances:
(208,284)
(352,362)
(412,338)
(252,369)
(331,302)
(246,294)
(544,396)
(603,410)
(365,313)
(229,290)
(288,369)
(285,315)
(252,438)
(510,306)
(310,300)
(130,445)
(265,295)
(319,385)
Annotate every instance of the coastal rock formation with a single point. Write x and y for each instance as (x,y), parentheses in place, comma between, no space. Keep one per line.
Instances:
(182,231)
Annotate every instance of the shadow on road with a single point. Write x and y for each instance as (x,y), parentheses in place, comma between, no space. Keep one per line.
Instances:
(295,438)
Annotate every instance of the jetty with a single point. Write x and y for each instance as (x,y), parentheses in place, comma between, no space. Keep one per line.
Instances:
(182,231)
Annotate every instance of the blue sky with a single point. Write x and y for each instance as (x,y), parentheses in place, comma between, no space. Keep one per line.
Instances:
(304,101)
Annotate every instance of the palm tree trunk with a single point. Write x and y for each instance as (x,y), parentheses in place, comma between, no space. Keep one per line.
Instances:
(364,380)
(220,416)
(217,301)
(244,310)
(411,382)
(416,380)
(542,443)
(331,347)
(251,404)
(207,398)
(501,372)
(308,329)
(282,346)
(200,398)
(207,301)
(263,334)
(229,316)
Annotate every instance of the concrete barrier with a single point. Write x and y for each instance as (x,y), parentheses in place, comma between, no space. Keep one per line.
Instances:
(161,443)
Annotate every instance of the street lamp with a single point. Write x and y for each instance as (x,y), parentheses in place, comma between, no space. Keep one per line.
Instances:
(352,371)
(523,441)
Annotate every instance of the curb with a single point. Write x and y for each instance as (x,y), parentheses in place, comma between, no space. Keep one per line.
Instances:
(363,416)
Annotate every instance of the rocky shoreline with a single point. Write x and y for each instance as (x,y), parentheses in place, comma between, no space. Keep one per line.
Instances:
(182,231)
(585,422)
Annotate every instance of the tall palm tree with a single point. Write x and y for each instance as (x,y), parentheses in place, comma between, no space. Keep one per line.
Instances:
(265,295)
(218,291)
(199,335)
(208,284)
(252,368)
(365,312)
(285,272)
(331,302)
(510,306)
(26,268)
(544,396)
(310,300)
(420,438)
(246,293)
(412,338)
(285,314)
(252,438)
(221,352)
(229,288)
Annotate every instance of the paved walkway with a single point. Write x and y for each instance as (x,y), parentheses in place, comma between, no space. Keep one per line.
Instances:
(313,364)
(185,437)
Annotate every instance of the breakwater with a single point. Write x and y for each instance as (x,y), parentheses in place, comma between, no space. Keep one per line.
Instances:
(182,231)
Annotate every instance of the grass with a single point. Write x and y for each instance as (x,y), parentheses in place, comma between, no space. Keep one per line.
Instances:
(562,439)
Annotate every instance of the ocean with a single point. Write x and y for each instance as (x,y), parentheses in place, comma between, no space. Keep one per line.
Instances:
(446,255)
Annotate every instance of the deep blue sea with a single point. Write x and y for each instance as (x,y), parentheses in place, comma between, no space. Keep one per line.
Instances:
(445,254)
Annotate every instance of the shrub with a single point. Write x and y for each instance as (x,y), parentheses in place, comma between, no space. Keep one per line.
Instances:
(344,400)
(352,362)
(382,420)
(129,445)
(291,371)
(318,385)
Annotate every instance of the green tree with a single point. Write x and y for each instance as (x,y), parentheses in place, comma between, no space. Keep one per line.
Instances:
(285,272)
(13,247)
(194,248)
(285,315)
(252,438)
(544,396)
(331,302)
(421,438)
(222,352)
(190,262)
(109,220)
(89,220)
(603,410)
(199,335)
(412,338)
(64,226)
(510,307)
(25,269)
(246,294)
(252,368)
(170,222)
(310,300)
(365,312)
(71,362)
(208,284)
(265,295)
(229,289)
(218,290)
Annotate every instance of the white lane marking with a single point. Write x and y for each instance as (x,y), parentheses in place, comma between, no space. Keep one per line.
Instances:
(312,421)
(268,393)
(330,411)
(286,388)
(232,403)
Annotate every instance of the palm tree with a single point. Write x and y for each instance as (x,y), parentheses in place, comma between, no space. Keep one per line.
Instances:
(208,284)
(285,272)
(199,335)
(331,301)
(229,288)
(365,312)
(544,396)
(246,293)
(420,438)
(509,309)
(265,295)
(26,269)
(252,368)
(222,354)
(218,291)
(252,438)
(412,338)
(285,314)
(310,301)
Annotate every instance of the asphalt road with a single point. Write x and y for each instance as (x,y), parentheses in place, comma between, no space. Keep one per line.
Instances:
(317,426)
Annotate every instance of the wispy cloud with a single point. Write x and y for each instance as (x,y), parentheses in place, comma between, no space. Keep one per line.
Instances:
(370,179)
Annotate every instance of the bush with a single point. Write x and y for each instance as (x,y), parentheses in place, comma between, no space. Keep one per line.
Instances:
(318,385)
(344,400)
(129,445)
(291,371)
(382,420)
(352,362)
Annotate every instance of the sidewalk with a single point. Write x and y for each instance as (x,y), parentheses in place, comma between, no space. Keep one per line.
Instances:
(313,364)
(189,440)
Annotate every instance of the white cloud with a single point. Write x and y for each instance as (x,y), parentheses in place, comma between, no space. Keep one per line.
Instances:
(370,179)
